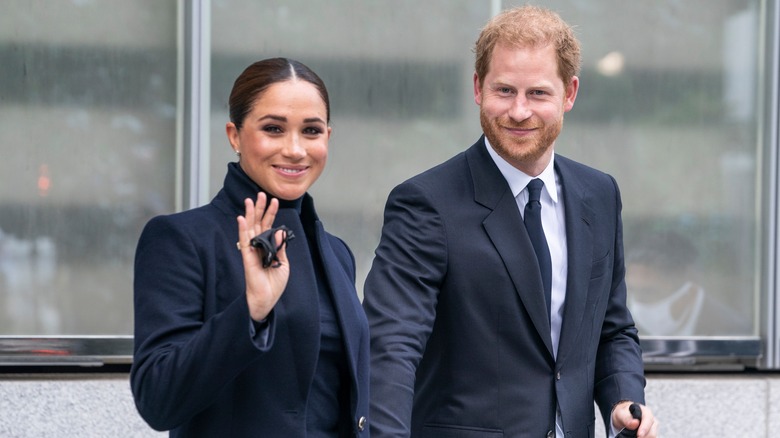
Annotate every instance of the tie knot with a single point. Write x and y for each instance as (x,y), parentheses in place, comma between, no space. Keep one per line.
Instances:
(535,190)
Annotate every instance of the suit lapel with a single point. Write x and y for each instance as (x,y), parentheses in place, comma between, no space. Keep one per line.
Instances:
(579,241)
(504,226)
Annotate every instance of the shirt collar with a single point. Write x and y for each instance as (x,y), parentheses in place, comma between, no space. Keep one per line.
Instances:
(517,179)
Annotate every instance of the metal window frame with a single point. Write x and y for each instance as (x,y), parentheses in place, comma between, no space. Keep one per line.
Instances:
(770,305)
(662,353)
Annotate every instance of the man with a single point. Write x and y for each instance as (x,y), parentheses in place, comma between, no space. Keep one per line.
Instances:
(462,342)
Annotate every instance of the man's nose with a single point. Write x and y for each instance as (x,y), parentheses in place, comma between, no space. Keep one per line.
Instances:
(520,109)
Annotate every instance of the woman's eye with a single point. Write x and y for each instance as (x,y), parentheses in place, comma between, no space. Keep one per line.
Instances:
(312,131)
(273,129)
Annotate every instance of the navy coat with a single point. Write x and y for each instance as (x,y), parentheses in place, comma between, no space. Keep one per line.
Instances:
(460,340)
(197,370)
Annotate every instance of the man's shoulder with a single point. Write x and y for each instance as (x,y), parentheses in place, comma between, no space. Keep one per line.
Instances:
(572,171)
(445,169)
(444,175)
(566,164)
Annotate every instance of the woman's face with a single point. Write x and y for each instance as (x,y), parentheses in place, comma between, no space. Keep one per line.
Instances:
(283,143)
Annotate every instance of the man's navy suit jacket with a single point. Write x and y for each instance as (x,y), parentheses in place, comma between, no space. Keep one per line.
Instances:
(460,340)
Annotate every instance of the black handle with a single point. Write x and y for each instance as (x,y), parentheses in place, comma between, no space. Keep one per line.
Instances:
(636,412)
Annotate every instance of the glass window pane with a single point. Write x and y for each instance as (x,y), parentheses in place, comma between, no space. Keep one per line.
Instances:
(88,140)
(399,83)
(668,104)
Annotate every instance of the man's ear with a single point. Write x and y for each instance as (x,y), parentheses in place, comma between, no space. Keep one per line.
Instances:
(571,93)
(477,90)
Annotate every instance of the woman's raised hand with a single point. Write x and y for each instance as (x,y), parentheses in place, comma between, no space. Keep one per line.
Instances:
(264,286)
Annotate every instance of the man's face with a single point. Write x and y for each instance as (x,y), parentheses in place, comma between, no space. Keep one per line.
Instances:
(522,100)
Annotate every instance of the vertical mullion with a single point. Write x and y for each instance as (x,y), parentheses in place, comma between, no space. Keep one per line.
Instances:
(767,303)
(772,143)
(196,78)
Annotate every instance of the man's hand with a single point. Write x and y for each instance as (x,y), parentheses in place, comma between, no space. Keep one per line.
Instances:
(622,419)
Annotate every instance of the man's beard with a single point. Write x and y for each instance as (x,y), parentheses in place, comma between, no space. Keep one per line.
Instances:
(518,151)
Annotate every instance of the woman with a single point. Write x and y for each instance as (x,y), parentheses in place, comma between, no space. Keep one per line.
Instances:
(225,346)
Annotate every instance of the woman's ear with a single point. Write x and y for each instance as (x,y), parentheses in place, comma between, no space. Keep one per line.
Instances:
(232,135)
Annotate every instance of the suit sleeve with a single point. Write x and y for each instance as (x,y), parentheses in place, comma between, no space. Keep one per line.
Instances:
(400,297)
(182,361)
(619,367)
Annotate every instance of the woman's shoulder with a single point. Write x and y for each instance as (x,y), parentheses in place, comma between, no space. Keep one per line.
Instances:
(195,225)
(195,217)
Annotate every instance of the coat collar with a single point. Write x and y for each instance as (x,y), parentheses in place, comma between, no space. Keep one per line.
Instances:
(239,186)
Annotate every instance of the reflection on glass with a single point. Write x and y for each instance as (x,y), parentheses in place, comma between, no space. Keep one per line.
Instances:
(667,104)
(668,294)
(87,136)
(399,84)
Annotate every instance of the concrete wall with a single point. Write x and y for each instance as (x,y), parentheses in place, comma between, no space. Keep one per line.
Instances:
(730,405)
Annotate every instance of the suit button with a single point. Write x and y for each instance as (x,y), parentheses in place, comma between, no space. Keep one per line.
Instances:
(558,376)
(550,434)
(361,424)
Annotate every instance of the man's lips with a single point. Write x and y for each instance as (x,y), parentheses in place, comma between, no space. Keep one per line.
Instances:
(520,130)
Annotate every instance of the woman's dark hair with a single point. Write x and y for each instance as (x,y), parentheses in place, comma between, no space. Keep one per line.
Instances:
(262,74)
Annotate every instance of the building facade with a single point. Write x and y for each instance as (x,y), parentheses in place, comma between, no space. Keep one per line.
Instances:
(112,112)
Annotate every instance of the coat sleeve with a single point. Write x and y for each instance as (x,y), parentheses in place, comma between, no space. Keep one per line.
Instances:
(619,367)
(400,297)
(181,361)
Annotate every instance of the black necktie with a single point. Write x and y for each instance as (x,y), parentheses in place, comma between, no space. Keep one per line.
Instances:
(533,223)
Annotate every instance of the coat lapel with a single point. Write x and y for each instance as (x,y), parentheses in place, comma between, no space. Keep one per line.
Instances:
(504,226)
(346,310)
(579,241)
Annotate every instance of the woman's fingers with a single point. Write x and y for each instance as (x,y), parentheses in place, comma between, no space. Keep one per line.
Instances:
(258,209)
(258,217)
(246,227)
(269,214)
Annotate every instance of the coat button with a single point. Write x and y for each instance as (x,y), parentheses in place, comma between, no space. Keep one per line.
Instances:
(550,434)
(558,376)
(361,424)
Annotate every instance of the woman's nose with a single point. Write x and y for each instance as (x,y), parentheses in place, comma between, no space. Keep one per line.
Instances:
(294,148)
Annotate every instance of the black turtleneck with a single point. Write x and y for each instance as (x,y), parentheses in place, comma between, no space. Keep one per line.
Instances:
(328,402)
